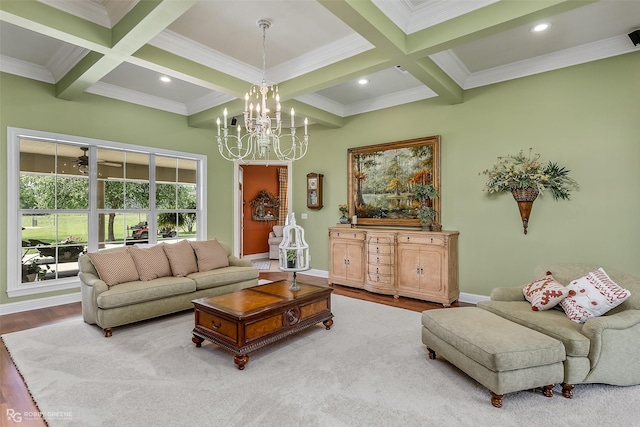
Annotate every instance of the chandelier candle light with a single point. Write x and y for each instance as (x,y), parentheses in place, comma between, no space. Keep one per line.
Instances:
(263,132)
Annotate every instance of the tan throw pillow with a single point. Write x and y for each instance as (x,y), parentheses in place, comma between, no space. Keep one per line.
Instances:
(181,258)
(545,293)
(114,267)
(595,294)
(211,255)
(151,262)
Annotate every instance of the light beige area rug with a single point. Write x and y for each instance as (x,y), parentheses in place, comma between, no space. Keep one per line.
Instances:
(370,369)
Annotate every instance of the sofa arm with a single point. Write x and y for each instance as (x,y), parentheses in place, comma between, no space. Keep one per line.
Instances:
(507,294)
(90,287)
(595,327)
(234,261)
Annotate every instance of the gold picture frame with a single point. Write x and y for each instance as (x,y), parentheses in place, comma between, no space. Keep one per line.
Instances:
(380,178)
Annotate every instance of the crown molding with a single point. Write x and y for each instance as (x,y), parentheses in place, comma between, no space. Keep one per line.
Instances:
(390,100)
(410,18)
(25,69)
(134,97)
(322,103)
(87,10)
(331,53)
(208,101)
(452,65)
(186,48)
(564,58)
(65,59)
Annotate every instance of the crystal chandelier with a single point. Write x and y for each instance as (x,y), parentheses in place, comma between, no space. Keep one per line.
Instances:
(262,131)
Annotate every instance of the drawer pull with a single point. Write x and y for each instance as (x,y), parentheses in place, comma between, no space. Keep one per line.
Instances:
(377,270)
(214,326)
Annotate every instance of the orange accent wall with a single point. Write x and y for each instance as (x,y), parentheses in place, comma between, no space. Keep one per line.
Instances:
(256,233)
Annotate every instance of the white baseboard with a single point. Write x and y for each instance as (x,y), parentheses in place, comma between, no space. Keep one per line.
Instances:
(35,304)
(464,297)
(256,256)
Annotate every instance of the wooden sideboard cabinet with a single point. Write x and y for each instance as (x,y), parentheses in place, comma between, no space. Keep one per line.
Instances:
(415,264)
(347,260)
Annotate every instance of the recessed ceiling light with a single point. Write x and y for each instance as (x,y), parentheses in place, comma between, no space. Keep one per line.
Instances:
(540,27)
(363,81)
(165,79)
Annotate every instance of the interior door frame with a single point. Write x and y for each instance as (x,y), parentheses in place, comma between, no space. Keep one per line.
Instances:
(237,215)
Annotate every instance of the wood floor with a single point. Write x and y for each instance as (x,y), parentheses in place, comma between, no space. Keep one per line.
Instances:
(15,396)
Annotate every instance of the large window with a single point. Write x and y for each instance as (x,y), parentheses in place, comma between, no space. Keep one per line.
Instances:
(74,195)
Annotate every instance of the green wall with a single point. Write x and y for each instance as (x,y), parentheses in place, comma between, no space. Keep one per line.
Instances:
(584,117)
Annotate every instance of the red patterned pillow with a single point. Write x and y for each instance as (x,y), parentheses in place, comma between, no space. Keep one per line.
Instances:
(595,294)
(545,293)
(150,262)
(114,267)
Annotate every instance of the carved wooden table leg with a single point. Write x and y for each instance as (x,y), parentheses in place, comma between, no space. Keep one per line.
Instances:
(197,341)
(328,323)
(432,353)
(567,390)
(547,390)
(241,361)
(496,399)
(108,332)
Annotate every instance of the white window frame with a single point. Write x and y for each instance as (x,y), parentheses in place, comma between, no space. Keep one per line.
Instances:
(14,243)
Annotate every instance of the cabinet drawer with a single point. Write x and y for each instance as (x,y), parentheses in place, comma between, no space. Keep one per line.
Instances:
(380,269)
(422,240)
(379,278)
(347,234)
(374,248)
(217,325)
(381,240)
(377,259)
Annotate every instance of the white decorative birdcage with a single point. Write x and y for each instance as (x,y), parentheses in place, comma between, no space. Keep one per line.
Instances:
(293,251)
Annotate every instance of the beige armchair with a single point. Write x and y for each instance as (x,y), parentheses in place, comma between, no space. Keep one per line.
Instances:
(275,238)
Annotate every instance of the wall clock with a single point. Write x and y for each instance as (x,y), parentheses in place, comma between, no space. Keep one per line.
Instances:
(314,190)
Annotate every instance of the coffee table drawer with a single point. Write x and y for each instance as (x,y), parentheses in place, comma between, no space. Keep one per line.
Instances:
(217,325)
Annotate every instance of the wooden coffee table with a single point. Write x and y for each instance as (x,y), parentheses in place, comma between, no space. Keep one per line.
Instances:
(246,320)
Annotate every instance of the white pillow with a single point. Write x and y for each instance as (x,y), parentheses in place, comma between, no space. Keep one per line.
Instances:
(595,295)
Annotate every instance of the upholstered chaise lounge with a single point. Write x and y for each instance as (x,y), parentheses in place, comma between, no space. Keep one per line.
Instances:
(604,349)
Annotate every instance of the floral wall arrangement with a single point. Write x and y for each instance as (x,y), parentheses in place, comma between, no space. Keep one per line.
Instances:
(525,176)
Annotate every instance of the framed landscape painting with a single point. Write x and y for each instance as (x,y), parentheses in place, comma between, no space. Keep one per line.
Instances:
(381,179)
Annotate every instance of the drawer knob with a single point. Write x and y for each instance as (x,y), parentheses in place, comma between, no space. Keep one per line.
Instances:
(214,326)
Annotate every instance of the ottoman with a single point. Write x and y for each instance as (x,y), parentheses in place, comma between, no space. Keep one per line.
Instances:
(501,355)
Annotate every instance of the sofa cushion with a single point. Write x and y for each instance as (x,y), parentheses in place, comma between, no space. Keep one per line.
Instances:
(595,294)
(223,276)
(151,262)
(553,323)
(136,292)
(210,254)
(114,267)
(545,293)
(181,258)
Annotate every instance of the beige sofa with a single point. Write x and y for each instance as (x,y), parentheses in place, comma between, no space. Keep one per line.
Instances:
(604,349)
(275,238)
(136,300)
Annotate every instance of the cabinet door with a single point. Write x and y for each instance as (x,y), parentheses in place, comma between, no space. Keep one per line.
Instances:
(338,260)
(355,261)
(409,276)
(431,263)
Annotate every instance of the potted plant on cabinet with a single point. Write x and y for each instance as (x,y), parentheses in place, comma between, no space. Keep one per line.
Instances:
(525,177)
(423,193)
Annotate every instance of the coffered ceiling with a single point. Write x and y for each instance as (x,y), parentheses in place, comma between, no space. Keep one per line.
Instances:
(408,50)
